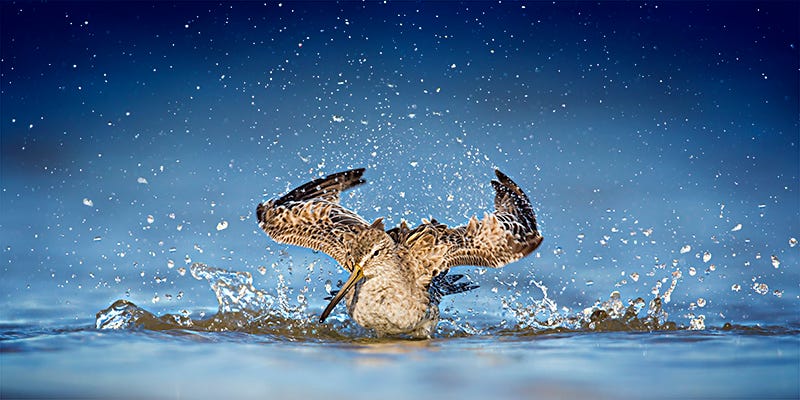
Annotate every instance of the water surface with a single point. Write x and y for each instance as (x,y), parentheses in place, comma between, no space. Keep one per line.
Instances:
(658,143)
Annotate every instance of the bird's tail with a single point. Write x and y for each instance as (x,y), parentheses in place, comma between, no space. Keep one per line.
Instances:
(445,285)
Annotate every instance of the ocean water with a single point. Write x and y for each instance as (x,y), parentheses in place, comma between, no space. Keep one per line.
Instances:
(658,143)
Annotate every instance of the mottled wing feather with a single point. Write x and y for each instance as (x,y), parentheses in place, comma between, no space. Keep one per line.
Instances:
(504,236)
(310,216)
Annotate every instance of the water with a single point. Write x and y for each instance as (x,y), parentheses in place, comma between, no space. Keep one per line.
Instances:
(658,144)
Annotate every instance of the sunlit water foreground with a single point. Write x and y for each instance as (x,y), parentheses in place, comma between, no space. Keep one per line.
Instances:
(259,345)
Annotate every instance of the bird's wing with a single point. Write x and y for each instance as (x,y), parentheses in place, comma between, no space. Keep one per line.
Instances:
(310,216)
(501,237)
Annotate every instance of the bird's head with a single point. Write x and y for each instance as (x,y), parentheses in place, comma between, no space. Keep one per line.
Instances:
(372,251)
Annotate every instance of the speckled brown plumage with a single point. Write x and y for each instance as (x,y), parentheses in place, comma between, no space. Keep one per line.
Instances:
(391,271)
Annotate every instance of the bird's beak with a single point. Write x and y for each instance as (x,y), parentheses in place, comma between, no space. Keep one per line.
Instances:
(355,276)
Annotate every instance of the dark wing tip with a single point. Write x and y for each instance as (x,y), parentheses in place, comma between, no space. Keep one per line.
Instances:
(501,176)
(260,210)
(327,187)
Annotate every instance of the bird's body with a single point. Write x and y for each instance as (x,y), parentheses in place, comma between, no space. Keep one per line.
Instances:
(398,276)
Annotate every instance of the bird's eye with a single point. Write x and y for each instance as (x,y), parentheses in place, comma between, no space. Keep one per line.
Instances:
(375,254)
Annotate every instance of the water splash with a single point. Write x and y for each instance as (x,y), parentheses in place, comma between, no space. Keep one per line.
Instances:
(244,308)
(241,308)
(609,315)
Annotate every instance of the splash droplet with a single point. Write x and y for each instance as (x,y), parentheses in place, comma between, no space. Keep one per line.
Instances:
(697,324)
(736,287)
(792,242)
(222,225)
(150,219)
(701,302)
(775,262)
(706,257)
(141,180)
(760,288)
(88,202)
(685,249)
(736,228)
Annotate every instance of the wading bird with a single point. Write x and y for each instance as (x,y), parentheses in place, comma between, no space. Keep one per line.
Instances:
(397,277)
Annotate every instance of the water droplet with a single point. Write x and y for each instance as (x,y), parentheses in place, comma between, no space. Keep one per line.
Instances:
(706,257)
(777,293)
(222,225)
(141,180)
(198,248)
(685,249)
(775,262)
(697,324)
(635,277)
(262,270)
(181,271)
(701,302)
(558,251)
(150,219)
(692,271)
(760,288)
(97,238)
(736,287)
(589,283)
(736,228)
(156,299)
(170,264)
(88,202)
(792,242)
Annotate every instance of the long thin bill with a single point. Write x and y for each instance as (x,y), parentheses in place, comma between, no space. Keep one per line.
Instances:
(355,276)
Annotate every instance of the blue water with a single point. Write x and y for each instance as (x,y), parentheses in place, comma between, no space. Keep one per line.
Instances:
(658,143)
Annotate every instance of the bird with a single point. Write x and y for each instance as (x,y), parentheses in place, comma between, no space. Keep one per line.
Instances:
(398,276)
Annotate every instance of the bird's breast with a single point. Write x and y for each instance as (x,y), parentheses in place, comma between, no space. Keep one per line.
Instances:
(389,306)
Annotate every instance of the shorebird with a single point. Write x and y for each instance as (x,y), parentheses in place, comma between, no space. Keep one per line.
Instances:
(397,277)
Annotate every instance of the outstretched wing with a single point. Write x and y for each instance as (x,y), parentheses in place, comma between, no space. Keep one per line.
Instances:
(501,237)
(310,216)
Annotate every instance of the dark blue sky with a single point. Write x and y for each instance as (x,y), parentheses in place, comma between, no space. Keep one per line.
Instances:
(679,119)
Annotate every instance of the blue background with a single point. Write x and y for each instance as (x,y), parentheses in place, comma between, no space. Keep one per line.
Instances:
(636,129)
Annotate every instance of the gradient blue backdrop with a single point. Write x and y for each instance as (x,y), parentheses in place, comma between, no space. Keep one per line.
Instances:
(636,129)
